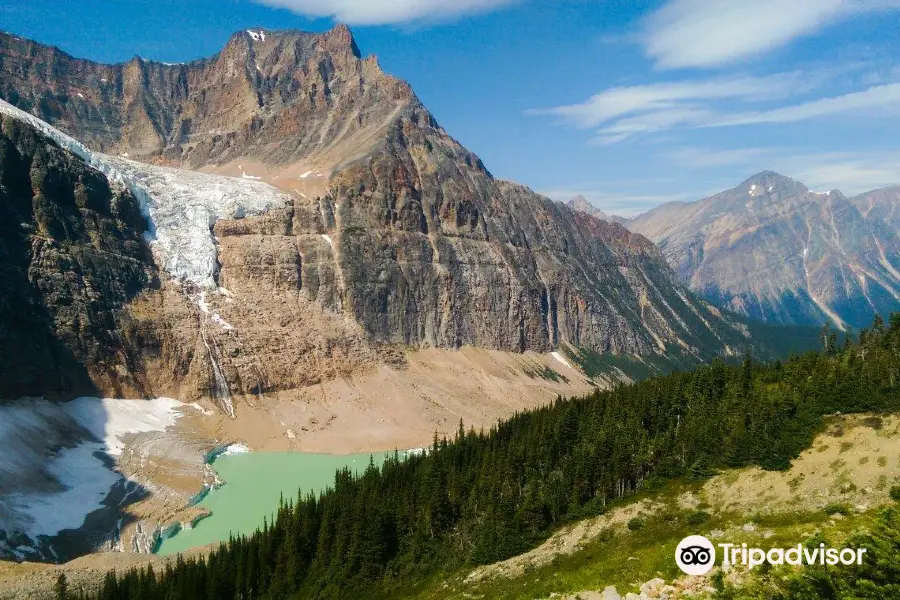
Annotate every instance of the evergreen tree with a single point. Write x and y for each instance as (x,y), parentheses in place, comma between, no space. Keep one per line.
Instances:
(61,588)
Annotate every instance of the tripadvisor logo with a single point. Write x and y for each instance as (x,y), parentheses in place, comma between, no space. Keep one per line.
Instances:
(696,555)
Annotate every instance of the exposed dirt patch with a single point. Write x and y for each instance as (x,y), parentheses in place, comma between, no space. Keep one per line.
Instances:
(399,407)
(854,462)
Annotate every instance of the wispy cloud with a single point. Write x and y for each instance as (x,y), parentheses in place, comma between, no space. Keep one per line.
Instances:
(713,33)
(874,97)
(383,12)
(623,112)
(852,173)
(678,96)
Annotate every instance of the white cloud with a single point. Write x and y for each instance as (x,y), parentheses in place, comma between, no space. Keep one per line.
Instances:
(851,173)
(382,12)
(713,33)
(620,101)
(649,123)
(874,97)
(623,112)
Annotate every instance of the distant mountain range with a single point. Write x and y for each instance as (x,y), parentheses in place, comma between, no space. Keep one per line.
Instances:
(775,251)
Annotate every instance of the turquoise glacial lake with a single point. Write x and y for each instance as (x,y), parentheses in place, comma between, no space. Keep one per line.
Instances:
(254,482)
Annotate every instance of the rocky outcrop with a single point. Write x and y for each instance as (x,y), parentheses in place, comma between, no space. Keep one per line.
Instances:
(71,255)
(881,207)
(775,251)
(434,251)
(581,204)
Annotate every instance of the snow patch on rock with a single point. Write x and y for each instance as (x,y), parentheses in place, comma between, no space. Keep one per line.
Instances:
(220,321)
(56,467)
(197,406)
(562,359)
(235,449)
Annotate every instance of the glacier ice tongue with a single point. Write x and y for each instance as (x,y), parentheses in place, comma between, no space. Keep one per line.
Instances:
(184,205)
(180,206)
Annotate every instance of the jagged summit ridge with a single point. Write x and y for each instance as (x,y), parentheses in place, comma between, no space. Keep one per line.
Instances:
(771,179)
(275,96)
(580,203)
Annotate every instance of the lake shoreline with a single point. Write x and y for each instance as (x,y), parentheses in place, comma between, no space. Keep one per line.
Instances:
(247,492)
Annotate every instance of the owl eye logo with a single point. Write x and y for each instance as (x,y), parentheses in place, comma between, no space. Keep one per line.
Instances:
(695,555)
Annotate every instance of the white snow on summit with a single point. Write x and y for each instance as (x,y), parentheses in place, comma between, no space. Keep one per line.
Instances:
(181,206)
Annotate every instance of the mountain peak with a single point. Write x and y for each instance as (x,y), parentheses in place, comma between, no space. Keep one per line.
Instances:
(768,176)
(339,39)
(581,204)
(770,182)
(341,36)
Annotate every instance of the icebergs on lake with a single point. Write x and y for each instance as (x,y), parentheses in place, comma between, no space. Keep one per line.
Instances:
(181,206)
(235,449)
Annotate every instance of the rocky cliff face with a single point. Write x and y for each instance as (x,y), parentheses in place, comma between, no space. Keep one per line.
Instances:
(775,251)
(71,256)
(881,207)
(392,234)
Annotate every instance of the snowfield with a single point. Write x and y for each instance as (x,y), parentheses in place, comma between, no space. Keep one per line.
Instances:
(57,466)
(181,206)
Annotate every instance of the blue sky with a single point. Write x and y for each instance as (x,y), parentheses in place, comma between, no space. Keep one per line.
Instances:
(630,103)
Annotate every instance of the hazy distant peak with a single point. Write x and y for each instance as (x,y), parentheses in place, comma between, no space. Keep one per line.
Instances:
(581,204)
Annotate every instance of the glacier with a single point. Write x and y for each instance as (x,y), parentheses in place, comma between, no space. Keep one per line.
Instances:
(180,206)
